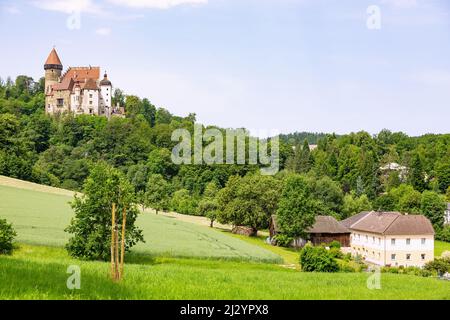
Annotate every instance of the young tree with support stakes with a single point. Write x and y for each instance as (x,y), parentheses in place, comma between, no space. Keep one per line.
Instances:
(92,237)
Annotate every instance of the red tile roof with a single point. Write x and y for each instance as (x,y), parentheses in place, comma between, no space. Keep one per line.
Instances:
(66,84)
(90,84)
(82,73)
(393,223)
(53,58)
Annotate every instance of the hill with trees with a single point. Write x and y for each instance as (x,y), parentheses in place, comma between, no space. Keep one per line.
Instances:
(344,175)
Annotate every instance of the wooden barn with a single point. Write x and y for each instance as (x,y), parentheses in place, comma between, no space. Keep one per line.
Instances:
(325,230)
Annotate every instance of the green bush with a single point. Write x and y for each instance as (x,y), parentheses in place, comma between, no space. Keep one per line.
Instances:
(443,234)
(336,253)
(438,265)
(317,259)
(350,266)
(415,271)
(335,244)
(283,240)
(7,235)
(389,270)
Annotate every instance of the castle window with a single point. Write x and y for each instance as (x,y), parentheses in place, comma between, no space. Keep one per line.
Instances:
(90,96)
(60,102)
(408,241)
(423,240)
(422,256)
(408,256)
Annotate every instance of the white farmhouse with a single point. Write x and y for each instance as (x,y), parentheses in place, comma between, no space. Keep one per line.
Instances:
(391,238)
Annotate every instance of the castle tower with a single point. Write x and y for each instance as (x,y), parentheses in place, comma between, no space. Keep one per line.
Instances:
(53,69)
(106,95)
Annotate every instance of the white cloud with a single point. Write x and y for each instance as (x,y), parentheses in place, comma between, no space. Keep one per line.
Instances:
(157,4)
(103,31)
(68,6)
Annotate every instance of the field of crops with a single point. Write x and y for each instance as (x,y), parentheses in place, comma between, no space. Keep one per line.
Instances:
(40,218)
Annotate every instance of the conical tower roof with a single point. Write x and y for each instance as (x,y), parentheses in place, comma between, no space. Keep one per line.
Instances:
(53,61)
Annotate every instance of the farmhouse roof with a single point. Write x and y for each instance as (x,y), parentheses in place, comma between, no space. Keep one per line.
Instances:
(323,224)
(393,223)
(327,224)
(353,219)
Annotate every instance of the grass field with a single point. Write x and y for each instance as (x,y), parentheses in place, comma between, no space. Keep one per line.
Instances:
(40,218)
(35,272)
(180,260)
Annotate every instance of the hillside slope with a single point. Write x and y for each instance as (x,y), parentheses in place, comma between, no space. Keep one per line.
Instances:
(41,217)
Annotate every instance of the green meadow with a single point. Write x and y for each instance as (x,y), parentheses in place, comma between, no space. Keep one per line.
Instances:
(179,260)
(35,272)
(40,218)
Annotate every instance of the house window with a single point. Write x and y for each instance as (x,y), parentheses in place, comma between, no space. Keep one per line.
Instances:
(408,241)
(393,241)
(408,256)
(422,256)
(90,95)
(90,102)
(379,240)
(367,238)
(373,239)
(392,257)
(423,240)
(60,102)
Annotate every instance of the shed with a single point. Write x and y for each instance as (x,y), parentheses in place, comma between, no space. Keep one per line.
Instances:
(325,230)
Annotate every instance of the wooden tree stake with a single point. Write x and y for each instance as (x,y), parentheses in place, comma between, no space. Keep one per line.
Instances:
(113,220)
(122,249)
(117,275)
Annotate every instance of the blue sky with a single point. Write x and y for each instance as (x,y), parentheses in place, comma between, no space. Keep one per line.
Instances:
(289,65)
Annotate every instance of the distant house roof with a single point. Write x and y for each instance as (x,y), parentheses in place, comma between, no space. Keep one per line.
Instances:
(323,224)
(393,166)
(392,223)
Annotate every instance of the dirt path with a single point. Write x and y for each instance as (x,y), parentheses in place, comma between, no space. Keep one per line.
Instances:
(15,183)
(203,221)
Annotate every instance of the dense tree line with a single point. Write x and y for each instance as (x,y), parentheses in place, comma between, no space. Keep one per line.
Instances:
(342,176)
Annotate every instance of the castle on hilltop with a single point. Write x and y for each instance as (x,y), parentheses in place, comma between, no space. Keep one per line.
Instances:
(78,90)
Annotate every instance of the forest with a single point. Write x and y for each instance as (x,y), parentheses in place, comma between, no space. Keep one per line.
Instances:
(344,175)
